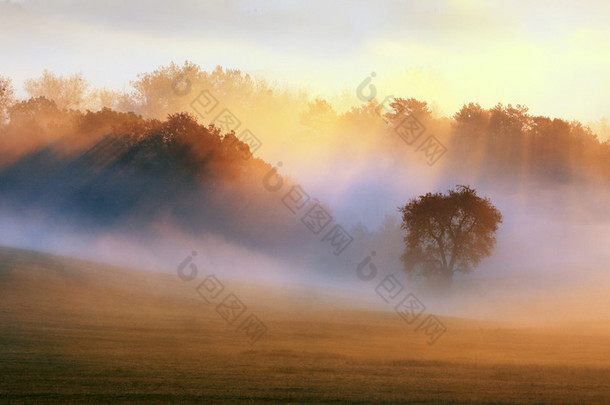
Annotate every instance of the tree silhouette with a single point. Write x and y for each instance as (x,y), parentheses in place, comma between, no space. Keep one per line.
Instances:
(402,108)
(103,98)
(448,233)
(503,143)
(161,92)
(7,96)
(67,92)
(319,114)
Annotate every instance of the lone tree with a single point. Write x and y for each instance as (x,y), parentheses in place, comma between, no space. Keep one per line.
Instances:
(448,233)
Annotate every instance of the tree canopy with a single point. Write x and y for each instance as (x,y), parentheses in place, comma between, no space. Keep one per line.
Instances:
(448,233)
(484,145)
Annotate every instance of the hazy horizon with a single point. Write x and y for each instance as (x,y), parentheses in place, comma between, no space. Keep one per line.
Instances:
(446,52)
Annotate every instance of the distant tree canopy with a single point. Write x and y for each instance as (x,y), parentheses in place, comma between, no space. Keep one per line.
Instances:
(105,169)
(483,145)
(448,233)
(403,107)
(158,134)
(506,142)
(7,96)
(67,92)
(163,90)
(319,114)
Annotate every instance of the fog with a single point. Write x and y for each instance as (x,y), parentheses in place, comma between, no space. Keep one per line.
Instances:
(550,263)
(70,189)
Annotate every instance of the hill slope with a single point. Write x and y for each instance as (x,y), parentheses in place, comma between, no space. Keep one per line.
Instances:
(83,332)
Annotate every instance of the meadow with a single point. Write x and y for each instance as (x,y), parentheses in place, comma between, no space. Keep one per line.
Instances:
(72,331)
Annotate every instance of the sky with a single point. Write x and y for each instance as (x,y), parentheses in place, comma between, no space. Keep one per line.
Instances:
(552,56)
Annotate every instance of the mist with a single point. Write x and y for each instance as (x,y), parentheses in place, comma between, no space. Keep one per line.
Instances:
(551,246)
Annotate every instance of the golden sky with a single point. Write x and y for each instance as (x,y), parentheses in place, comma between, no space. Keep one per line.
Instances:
(553,56)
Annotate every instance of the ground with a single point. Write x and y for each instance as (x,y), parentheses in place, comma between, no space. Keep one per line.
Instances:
(72,331)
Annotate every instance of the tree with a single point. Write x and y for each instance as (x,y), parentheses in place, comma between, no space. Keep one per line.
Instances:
(448,233)
(471,121)
(171,89)
(469,131)
(161,92)
(66,92)
(319,115)
(601,128)
(7,96)
(402,108)
(103,98)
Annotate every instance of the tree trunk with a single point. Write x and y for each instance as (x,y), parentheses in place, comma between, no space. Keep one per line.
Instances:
(446,277)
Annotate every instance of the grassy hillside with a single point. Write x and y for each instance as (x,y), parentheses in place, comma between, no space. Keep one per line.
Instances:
(80,332)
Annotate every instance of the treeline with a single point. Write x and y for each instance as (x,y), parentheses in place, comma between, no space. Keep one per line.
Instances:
(503,142)
(507,142)
(146,159)
(106,170)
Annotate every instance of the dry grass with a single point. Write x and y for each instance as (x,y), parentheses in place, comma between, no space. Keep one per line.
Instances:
(75,332)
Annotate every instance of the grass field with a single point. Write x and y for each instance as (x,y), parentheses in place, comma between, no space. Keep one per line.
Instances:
(73,331)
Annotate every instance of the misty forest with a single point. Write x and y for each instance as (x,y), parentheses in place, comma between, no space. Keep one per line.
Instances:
(217,235)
